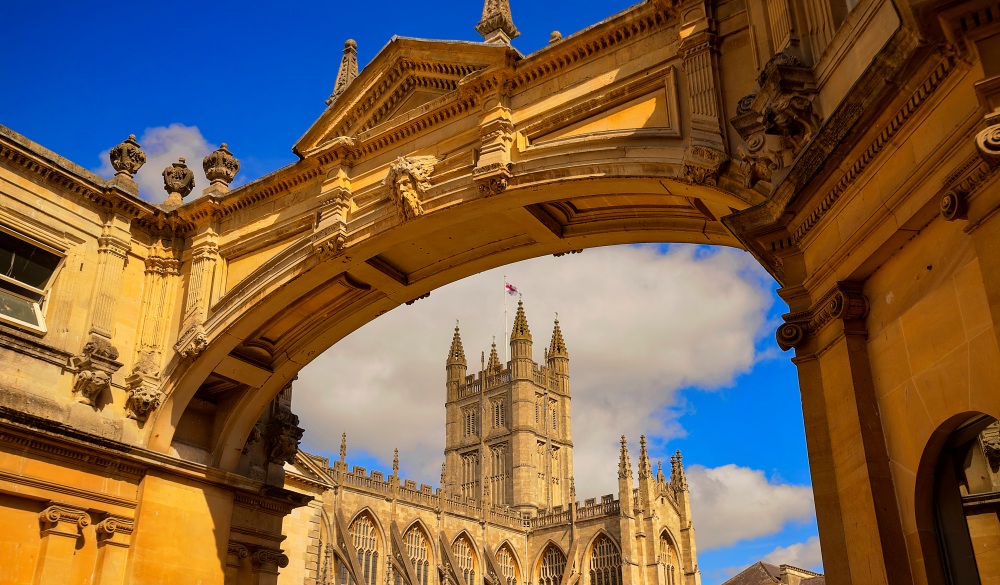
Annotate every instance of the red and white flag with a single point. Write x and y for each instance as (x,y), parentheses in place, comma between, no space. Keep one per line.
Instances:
(510,288)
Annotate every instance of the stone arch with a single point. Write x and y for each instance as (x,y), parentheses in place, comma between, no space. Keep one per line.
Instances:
(602,559)
(422,566)
(517,578)
(341,299)
(545,569)
(948,551)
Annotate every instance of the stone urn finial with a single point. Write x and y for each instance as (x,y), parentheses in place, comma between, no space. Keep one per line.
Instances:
(221,167)
(127,157)
(178,181)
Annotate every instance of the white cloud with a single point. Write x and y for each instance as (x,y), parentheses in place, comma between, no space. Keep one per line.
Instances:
(733,503)
(163,145)
(805,555)
(638,324)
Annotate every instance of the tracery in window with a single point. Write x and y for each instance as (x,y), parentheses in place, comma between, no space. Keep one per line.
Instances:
(498,474)
(465,556)
(668,558)
(417,550)
(365,538)
(499,414)
(508,566)
(470,474)
(553,565)
(26,270)
(605,563)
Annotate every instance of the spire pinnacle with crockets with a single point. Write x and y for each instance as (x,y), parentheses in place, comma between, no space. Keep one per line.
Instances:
(456,355)
(347,72)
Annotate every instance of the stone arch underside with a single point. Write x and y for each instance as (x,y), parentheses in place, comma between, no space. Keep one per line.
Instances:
(296,305)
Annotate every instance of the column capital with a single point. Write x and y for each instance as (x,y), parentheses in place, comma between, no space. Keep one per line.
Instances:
(844,302)
(63,520)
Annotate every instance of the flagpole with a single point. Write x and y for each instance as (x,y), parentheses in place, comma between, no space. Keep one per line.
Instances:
(505,345)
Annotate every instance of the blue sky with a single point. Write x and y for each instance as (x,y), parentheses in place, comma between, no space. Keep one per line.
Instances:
(188,76)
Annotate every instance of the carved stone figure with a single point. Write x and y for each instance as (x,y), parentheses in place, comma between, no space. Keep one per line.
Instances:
(90,384)
(284,434)
(142,400)
(127,157)
(408,180)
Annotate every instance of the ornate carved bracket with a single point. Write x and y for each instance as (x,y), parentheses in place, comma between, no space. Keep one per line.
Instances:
(777,121)
(284,434)
(844,301)
(494,168)
(94,369)
(192,341)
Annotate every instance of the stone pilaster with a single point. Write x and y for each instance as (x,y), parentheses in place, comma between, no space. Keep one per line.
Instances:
(845,439)
(61,528)
(236,554)
(265,563)
(143,384)
(204,257)
(706,154)
(496,134)
(114,536)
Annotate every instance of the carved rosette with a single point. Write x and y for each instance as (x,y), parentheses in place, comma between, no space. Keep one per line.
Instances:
(127,157)
(94,369)
(844,302)
(408,181)
(284,434)
(178,181)
(221,166)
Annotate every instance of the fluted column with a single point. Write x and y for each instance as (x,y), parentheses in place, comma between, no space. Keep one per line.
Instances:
(113,248)
(706,153)
(114,535)
(157,303)
(61,527)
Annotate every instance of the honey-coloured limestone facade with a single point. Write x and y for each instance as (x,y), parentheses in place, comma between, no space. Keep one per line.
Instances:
(506,511)
(851,147)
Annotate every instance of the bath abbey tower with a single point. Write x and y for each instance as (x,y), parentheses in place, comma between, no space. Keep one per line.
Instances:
(507,510)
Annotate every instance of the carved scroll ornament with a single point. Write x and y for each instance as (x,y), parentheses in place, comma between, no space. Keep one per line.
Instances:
(844,302)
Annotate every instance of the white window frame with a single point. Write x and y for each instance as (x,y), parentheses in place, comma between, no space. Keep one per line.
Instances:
(38,306)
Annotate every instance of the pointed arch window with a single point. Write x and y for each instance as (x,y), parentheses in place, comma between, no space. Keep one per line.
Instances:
(466,559)
(498,475)
(469,418)
(417,550)
(553,565)
(669,559)
(605,563)
(365,539)
(470,475)
(499,414)
(507,565)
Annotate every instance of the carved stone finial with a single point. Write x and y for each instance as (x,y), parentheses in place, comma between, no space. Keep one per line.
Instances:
(497,24)
(343,447)
(178,181)
(555,37)
(221,167)
(127,157)
(347,72)
(395,462)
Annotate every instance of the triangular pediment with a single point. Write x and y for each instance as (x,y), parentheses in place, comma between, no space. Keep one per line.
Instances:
(407,75)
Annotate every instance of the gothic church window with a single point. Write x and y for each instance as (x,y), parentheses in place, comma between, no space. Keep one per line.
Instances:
(499,414)
(466,558)
(26,269)
(416,549)
(469,415)
(553,565)
(605,563)
(365,539)
(668,558)
(507,565)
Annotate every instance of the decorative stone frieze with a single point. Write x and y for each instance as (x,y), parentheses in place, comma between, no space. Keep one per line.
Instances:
(127,158)
(221,167)
(844,302)
(284,434)
(408,180)
(178,182)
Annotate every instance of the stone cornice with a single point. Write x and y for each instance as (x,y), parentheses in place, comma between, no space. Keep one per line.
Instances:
(66,177)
